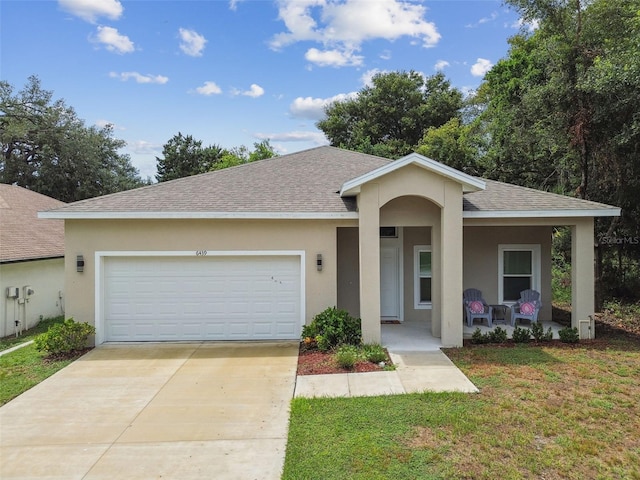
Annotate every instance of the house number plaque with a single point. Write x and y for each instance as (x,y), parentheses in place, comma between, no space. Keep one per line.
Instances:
(201,253)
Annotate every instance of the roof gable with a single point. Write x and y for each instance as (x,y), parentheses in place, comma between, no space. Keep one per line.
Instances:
(469,183)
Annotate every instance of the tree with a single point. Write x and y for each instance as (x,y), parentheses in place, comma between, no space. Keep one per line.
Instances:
(48,149)
(561,113)
(453,144)
(390,117)
(185,156)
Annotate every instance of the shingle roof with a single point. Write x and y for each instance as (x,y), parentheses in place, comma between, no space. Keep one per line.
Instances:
(504,197)
(23,236)
(302,183)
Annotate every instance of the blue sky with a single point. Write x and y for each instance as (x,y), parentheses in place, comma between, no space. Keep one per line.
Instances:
(235,72)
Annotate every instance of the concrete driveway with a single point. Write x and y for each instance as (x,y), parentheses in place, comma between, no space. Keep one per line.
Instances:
(170,411)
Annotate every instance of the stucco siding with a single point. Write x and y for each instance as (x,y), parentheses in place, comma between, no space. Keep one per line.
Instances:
(481,259)
(87,237)
(46,278)
(348,270)
(413,236)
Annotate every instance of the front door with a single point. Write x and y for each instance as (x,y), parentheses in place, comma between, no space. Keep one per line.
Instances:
(390,282)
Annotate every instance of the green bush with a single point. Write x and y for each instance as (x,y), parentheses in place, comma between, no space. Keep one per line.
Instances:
(334,327)
(64,337)
(497,335)
(478,337)
(538,333)
(521,335)
(569,335)
(347,355)
(374,353)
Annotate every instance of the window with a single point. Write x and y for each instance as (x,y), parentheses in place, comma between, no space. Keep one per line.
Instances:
(388,232)
(422,276)
(518,269)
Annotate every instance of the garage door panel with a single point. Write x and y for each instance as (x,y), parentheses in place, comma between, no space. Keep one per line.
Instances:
(215,298)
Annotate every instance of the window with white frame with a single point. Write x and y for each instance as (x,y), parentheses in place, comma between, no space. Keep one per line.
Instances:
(518,269)
(422,276)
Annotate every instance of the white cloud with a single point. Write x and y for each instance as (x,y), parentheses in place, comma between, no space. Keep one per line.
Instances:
(529,26)
(344,25)
(233,4)
(142,147)
(113,40)
(254,91)
(313,108)
(317,137)
(441,65)
(367,77)
(481,67)
(333,58)
(90,10)
(102,123)
(139,78)
(192,43)
(209,88)
(385,55)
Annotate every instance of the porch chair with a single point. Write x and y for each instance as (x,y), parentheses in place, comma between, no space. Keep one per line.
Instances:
(527,307)
(476,307)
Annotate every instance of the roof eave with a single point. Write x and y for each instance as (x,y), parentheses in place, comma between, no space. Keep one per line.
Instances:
(598,212)
(78,215)
(469,183)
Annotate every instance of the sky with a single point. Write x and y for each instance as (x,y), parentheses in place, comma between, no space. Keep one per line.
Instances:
(236,72)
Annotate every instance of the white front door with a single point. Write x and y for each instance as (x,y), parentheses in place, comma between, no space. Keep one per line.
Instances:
(390,282)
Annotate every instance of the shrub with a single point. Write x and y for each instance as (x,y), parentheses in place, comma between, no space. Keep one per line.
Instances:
(538,333)
(346,356)
(497,335)
(521,335)
(64,337)
(374,353)
(334,327)
(478,337)
(569,335)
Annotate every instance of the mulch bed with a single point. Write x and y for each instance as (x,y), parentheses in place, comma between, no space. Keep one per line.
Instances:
(315,362)
(57,357)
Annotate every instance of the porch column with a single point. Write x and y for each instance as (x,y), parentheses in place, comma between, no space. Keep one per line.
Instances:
(582,273)
(369,241)
(451,261)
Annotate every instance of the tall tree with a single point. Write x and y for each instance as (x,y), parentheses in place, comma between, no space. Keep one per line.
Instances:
(390,116)
(48,149)
(184,156)
(561,112)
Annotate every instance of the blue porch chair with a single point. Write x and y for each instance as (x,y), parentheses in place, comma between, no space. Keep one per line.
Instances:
(476,307)
(527,307)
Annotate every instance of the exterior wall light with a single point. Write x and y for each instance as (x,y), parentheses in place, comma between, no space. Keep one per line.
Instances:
(319,262)
(80,264)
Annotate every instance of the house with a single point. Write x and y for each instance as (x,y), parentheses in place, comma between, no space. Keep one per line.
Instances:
(255,251)
(31,260)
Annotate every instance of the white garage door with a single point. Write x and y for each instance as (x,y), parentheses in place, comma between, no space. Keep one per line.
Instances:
(202,298)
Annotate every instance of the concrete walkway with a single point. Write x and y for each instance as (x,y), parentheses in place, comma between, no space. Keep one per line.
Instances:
(171,411)
(420,366)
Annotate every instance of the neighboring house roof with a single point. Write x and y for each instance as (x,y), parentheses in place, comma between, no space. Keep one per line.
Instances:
(23,236)
(305,184)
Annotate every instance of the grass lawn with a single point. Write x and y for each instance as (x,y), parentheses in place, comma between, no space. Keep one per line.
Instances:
(43,326)
(22,369)
(542,413)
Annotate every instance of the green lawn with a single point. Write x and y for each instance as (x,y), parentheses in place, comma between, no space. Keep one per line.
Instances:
(23,368)
(42,327)
(543,412)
